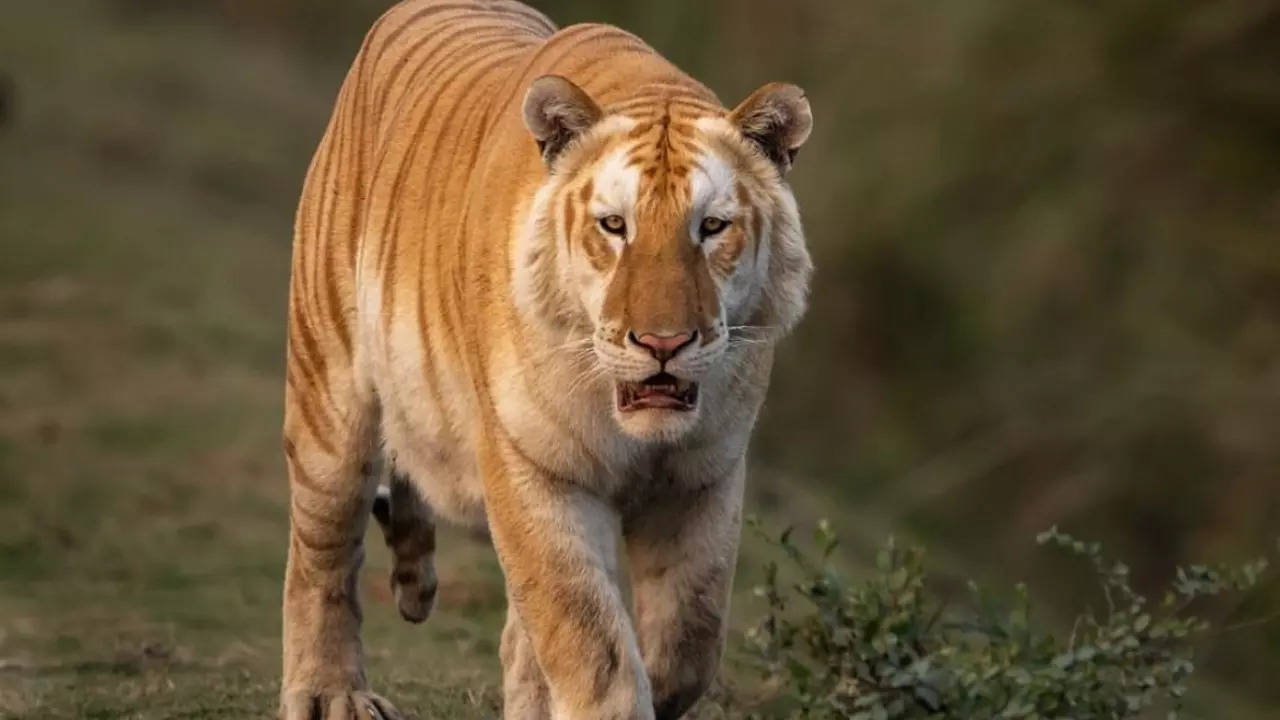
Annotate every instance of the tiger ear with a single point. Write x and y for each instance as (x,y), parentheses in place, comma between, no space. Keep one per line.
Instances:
(556,111)
(776,118)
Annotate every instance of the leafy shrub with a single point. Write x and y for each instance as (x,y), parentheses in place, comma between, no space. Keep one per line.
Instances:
(884,650)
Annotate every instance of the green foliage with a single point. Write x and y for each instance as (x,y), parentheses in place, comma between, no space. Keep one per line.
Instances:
(883,649)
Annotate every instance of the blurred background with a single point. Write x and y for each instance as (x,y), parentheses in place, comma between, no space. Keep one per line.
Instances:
(1047,235)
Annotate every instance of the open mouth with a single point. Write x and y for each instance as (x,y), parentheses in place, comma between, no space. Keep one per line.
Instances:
(663,391)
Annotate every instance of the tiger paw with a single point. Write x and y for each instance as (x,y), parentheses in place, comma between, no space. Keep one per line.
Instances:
(340,705)
(415,590)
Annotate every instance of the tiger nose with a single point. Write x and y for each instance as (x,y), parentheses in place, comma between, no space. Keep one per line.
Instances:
(663,347)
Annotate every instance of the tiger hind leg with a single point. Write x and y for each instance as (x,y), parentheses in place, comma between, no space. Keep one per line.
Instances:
(410,531)
(330,498)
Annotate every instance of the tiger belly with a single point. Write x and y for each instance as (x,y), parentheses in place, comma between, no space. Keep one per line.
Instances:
(441,467)
(427,415)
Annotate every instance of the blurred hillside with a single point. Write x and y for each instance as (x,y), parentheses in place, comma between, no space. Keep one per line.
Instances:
(1048,246)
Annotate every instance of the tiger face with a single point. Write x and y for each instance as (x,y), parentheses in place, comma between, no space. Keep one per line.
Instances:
(670,233)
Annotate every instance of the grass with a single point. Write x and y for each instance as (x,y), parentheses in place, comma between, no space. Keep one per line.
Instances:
(146,189)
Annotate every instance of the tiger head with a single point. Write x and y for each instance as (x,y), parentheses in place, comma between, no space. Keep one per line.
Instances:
(666,229)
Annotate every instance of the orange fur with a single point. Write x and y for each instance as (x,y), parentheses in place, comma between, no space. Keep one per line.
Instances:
(460,318)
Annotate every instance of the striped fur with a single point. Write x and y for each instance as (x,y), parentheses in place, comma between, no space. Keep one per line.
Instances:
(459,321)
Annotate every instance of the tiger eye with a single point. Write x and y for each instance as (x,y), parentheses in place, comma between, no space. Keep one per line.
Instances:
(712,226)
(613,224)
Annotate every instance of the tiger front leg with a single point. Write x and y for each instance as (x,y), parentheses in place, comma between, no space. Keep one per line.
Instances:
(330,500)
(524,688)
(557,544)
(682,549)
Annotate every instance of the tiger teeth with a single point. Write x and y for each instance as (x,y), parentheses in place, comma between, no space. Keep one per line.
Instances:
(659,391)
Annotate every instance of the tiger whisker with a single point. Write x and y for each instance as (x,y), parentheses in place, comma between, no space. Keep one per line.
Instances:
(576,349)
(591,374)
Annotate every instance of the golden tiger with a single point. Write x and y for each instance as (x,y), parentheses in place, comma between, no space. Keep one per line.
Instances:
(538,276)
